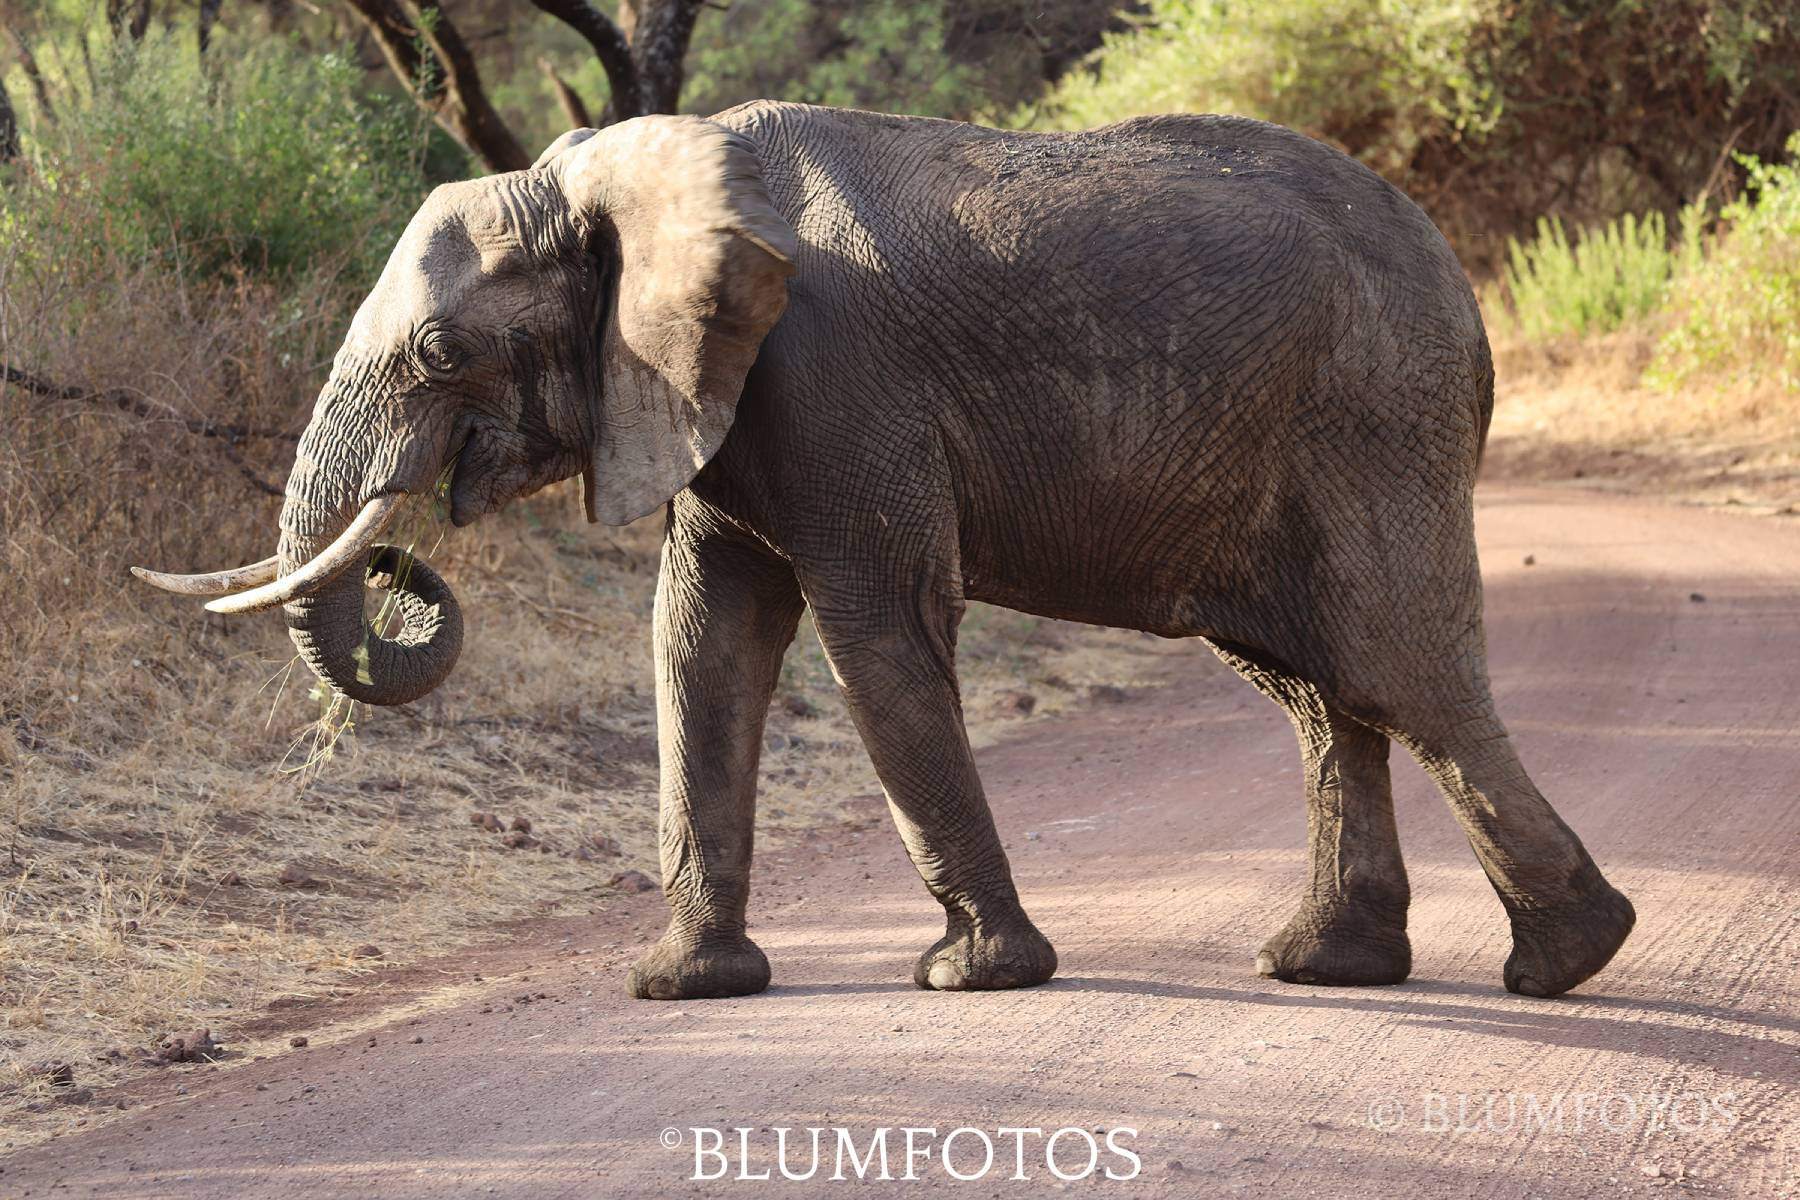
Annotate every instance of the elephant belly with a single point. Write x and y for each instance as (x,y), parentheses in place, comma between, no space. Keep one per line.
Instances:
(1132,550)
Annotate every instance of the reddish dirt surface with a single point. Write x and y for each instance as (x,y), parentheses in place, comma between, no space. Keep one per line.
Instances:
(1649,664)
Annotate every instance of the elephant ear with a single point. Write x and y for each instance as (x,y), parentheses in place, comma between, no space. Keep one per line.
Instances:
(678,206)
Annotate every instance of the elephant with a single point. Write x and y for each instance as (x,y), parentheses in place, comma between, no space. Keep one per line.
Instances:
(1199,376)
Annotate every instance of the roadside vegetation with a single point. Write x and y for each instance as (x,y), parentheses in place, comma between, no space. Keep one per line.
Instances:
(184,233)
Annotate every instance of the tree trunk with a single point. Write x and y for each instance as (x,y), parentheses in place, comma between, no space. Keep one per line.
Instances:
(128,18)
(28,64)
(9,128)
(209,16)
(659,45)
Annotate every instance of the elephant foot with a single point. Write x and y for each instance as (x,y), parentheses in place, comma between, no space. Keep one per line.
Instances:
(986,957)
(1348,946)
(686,970)
(1557,946)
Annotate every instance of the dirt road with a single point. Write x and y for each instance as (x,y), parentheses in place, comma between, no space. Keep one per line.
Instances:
(1648,663)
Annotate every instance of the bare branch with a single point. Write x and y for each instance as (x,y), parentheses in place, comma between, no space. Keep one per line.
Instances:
(137,406)
(610,46)
(424,49)
(573,108)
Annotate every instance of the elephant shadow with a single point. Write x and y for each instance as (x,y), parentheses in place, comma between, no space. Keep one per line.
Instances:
(1578,1022)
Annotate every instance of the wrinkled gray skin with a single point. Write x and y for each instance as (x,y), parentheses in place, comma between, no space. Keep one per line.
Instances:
(1199,376)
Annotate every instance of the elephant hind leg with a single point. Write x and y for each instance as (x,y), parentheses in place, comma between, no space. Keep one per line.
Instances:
(1350,927)
(1567,921)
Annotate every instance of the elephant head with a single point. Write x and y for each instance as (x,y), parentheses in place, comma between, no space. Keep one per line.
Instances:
(596,313)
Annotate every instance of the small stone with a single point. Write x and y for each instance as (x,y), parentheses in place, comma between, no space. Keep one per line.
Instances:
(799,706)
(367,950)
(632,881)
(1531,560)
(1014,704)
(295,876)
(1696,598)
(231,879)
(194,1046)
(487,821)
(55,1072)
(1653,1170)
(298,1041)
(602,844)
(416,1040)
(521,824)
(1106,693)
(518,839)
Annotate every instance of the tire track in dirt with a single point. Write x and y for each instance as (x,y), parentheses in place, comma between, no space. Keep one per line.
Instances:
(1157,843)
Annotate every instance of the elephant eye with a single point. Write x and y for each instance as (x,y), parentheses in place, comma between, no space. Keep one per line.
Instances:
(441,354)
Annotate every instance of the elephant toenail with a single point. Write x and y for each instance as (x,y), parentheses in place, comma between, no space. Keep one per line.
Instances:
(1265,964)
(944,977)
(1527,986)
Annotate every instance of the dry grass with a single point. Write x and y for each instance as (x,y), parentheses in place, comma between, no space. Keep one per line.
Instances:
(1579,411)
(142,741)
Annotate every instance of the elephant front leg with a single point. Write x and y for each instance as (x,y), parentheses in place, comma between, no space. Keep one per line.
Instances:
(896,668)
(726,610)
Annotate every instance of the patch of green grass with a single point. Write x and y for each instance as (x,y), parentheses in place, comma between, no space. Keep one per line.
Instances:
(1737,313)
(1599,281)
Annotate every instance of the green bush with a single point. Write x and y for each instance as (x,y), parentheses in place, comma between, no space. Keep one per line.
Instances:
(1737,315)
(1489,113)
(1608,278)
(265,162)
(1372,75)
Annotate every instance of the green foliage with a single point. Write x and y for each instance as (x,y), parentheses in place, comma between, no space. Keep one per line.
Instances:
(1611,276)
(267,161)
(1737,316)
(1373,75)
(936,58)
(885,55)
(1490,113)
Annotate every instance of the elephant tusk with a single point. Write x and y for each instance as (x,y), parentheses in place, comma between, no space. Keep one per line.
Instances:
(351,548)
(218,583)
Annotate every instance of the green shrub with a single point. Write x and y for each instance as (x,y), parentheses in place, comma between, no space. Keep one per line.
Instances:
(267,161)
(1737,315)
(1489,113)
(1372,75)
(1608,278)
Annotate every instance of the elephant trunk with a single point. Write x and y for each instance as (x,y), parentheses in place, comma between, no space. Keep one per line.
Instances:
(327,622)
